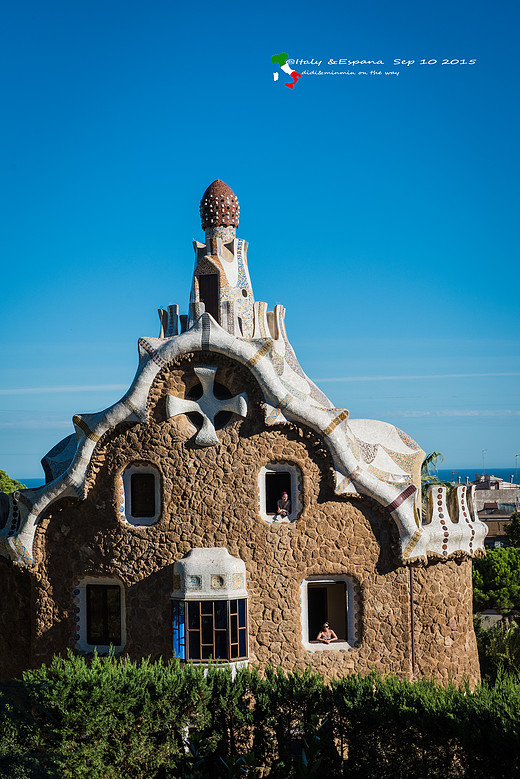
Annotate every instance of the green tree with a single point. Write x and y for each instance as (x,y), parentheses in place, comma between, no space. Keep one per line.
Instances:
(9,485)
(512,530)
(496,580)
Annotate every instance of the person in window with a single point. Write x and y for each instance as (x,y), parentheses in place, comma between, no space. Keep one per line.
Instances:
(283,507)
(326,634)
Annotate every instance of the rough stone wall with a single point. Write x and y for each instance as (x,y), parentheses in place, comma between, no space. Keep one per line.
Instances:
(15,620)
(445,643)
(210,499)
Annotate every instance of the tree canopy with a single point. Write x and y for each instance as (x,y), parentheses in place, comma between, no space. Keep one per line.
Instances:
(512,530)
(9,485)
(496,580)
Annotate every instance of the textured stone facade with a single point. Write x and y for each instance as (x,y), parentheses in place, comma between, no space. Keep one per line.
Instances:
(209,498)
(219,405)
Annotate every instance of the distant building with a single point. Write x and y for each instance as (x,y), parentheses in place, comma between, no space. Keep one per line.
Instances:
(496,501)
(161,529)
(486,481)
(497,516)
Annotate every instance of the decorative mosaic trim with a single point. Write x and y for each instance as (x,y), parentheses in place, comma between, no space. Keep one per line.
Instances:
(237,581)
(23,553)
(155,356)
(358,612)
(260,353)
(390,478)
(226,234)
(77,420)
(193,583)
(262,311)
(15,517)
(206,332)
(404,461)
(69,481)
(218,581)
(401,498)
(121,499)
(407,440)
(368,451)
(412,543)
(273,416)
(335,422)
(141,415)
(296,392)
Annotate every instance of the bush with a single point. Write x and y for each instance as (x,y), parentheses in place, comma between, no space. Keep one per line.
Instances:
(111,718)
(498,648)
(115,718)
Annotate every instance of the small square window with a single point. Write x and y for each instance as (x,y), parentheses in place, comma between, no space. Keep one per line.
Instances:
(327,603)
(332,601)
(274,480)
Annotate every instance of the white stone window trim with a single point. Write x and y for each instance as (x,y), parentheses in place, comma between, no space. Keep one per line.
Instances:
(125,503)
(80,603)
(350,606)
(296,491)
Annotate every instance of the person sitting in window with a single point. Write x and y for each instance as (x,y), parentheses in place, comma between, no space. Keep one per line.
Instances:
(326,634)
(283,507)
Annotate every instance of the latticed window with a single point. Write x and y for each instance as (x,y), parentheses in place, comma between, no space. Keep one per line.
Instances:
(210,629)
(103,603)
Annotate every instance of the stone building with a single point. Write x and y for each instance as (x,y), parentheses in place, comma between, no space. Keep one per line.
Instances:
(159,528)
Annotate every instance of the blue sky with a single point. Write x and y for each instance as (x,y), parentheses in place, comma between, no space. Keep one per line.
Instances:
(382,211)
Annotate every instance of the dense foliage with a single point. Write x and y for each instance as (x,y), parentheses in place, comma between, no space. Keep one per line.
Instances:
(498,648)
(115,719)
(9,485)
(496,580)
(512,530)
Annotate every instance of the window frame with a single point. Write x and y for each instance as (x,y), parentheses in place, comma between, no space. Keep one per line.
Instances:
(81,601)
(125,502)
(183,634)
(352,598)
(296,498)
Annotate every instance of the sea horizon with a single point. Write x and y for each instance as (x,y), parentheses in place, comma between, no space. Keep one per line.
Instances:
(445,474)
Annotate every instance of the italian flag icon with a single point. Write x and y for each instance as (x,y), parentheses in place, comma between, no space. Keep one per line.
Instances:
(281,60)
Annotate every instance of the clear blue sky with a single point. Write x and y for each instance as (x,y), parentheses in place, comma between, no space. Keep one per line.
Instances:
(382,211)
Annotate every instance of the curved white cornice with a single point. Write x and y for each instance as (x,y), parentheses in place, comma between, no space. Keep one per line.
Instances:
(369,457)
